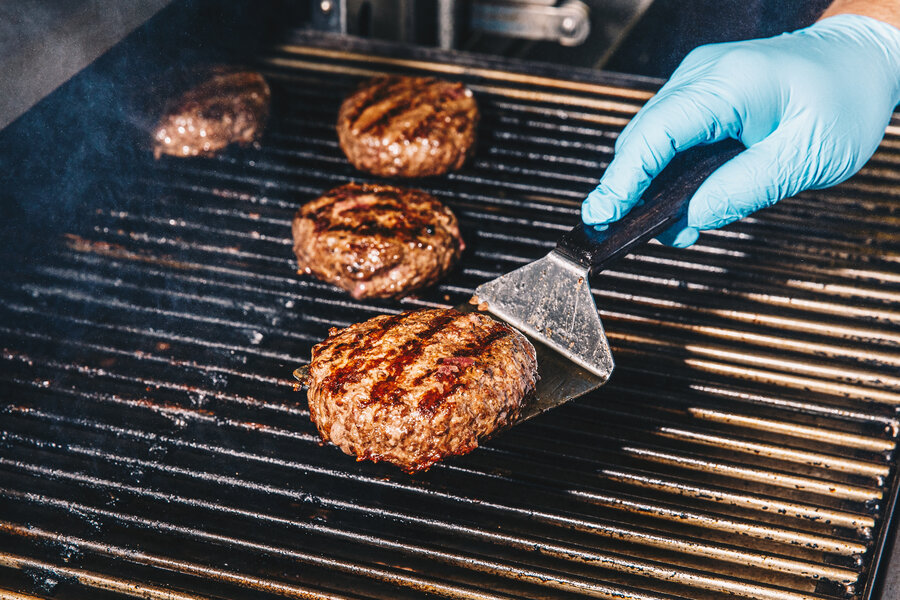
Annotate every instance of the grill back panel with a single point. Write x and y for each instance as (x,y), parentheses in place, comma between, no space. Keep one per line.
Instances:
(153,444)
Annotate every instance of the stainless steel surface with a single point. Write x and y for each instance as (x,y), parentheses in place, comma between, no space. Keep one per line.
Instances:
(43,44)
(567,22)
(152,441)
(550,300)
(570,32)
(329,16)
(397,20)
(890,587)
(448,27)
(561,378)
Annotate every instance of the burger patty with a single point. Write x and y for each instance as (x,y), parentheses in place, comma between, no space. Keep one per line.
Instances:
(226,106)
(408,126)
(376,240)
(413,388)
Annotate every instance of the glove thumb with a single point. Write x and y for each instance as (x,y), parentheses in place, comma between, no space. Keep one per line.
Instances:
(756,178)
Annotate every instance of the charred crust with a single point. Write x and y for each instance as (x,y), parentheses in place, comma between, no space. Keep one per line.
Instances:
(408,126)
(376,240)
(413,388)
(225,106)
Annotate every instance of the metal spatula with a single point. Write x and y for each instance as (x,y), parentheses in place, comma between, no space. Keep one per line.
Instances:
(550,299)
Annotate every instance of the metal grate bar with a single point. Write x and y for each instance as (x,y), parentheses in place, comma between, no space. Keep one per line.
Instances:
(745,446)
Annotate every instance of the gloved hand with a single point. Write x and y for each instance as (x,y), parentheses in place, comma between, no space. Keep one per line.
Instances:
(811,106)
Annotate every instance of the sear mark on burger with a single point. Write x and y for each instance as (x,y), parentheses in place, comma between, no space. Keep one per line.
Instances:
(408,126)
(225,106)
(376,240)
(414,388)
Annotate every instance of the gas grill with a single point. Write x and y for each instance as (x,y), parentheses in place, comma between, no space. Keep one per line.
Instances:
(153,444)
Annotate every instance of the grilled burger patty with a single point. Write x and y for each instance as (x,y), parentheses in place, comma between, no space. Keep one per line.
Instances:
(376,240)
(225,107)
(413,388)
(408,126)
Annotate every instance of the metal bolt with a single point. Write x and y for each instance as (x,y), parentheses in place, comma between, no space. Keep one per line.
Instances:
(325,6)
(568,25)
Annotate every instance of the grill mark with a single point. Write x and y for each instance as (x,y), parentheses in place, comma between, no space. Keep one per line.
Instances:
(425,124)
(360,233)
(356,368)
(379,90)
(372,336)
(387,200)
(433,398)
(390,199)
(406,232)
(388,391)
(384,87)
(410,209)
(446,98)
(346,191)
(387,196)
(417,93)
(402,103)
(407,228)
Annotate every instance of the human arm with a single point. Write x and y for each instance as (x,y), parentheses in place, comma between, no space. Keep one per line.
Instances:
(810,106)
(887,11)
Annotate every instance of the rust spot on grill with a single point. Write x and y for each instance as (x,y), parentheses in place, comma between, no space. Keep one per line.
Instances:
(166,407)
(80,244)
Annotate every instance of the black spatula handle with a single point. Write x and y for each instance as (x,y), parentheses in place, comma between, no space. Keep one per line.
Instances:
(665,201)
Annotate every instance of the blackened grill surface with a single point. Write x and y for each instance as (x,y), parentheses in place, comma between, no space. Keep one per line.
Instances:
(151,440)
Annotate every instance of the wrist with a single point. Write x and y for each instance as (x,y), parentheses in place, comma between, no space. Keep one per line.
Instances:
(878,37)
(887,11)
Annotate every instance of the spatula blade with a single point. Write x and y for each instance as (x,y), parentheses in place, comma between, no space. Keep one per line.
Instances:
(550,300)
(560,379)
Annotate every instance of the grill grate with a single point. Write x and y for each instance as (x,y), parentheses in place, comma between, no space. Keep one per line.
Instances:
(153,444)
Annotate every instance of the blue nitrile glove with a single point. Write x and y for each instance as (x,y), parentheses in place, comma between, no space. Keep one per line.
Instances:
(811,106)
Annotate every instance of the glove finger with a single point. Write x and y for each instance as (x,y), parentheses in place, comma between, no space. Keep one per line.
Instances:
(756,178)
(679,235)
(679,120)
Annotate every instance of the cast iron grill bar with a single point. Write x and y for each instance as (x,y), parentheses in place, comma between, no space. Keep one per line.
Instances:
(859,377)
(758,460)
(531,514)
(840,288)
(856,333)
(852,490)
(887,336)
(188,413)
(507,539)
(241,482)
